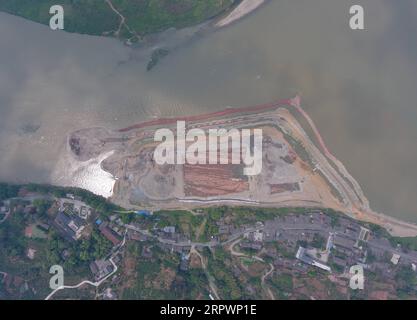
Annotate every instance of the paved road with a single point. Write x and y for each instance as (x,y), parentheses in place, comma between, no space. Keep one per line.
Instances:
(191,243)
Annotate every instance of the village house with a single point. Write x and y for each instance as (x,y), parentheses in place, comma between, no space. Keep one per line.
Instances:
(101,268)
(109,234)
(71,226)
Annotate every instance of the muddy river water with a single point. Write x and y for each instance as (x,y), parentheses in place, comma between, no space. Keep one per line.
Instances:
(358,86)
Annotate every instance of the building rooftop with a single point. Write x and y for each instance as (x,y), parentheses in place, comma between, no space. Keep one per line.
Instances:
(109,234)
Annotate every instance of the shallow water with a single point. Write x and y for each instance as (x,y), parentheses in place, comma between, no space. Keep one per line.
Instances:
(359,87)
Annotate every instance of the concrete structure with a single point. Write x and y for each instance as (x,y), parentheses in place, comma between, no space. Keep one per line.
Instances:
(303,256)
(101,268)
(72,226)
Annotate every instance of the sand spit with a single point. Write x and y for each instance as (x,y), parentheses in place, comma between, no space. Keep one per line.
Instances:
(244,8)
(296,172)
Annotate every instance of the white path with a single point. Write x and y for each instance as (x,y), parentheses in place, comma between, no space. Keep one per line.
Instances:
(95,284)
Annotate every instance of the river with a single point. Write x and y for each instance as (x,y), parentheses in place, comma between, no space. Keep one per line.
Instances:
(358,86)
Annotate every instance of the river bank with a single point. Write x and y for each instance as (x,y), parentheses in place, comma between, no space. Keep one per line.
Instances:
(133,177)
